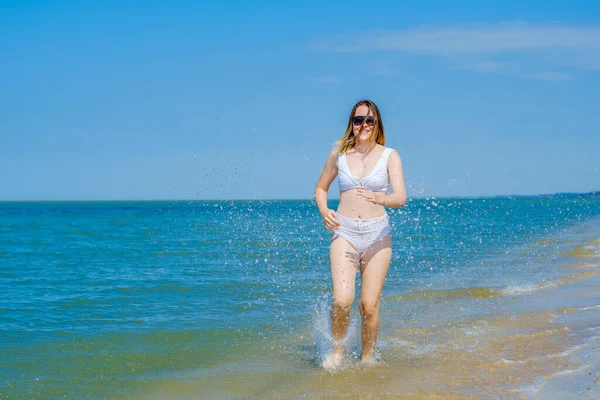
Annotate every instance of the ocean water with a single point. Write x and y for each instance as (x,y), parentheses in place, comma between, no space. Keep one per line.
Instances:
(485,298)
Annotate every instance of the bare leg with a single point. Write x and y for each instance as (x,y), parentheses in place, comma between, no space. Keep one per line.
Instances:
(344,261)
(375,263)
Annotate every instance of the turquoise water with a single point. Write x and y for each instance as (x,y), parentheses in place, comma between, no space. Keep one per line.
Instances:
(113,299)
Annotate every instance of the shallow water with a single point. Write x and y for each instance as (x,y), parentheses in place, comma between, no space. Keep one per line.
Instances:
(485,298)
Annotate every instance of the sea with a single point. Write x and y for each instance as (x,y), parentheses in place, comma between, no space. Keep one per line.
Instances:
(486,298)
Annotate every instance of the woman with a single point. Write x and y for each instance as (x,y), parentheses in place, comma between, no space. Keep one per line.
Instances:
(361,232)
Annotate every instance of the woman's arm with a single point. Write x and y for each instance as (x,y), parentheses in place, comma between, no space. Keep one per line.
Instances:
(328,174)
(398,196)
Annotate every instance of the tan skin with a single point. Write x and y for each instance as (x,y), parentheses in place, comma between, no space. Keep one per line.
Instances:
(345,260)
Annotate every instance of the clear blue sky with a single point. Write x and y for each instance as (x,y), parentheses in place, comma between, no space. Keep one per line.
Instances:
(243,99)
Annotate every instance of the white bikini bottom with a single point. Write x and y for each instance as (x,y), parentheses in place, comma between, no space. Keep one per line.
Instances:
(363,233)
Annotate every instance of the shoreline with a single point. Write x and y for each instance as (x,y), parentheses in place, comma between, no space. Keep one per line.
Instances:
(537,342)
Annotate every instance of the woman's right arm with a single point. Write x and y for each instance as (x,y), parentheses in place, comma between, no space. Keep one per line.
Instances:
(328,174)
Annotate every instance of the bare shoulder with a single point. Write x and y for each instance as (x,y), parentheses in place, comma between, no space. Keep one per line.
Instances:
(332,158)
(393,153)
(394,162)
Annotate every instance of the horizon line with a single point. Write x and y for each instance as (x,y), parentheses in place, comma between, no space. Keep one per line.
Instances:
(592,193)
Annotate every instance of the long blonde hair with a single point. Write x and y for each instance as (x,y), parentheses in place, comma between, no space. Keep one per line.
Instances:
(348,141)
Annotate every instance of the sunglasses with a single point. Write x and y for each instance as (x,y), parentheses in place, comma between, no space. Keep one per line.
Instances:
(358,120)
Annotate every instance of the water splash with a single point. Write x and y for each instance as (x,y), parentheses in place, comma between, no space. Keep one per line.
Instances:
(323,335)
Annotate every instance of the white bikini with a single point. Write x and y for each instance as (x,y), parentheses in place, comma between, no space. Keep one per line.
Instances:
(376,181)
(363,233)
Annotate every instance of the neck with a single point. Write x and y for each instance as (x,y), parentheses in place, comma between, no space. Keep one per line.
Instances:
(363,148)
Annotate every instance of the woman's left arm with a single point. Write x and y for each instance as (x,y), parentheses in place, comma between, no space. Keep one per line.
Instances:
(398,196)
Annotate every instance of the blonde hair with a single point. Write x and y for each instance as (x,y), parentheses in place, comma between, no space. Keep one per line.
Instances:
(348,141)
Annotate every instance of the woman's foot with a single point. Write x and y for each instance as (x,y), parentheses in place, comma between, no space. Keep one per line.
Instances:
(334,359)
(369,361)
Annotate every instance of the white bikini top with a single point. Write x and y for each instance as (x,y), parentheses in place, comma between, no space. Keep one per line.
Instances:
(376,181)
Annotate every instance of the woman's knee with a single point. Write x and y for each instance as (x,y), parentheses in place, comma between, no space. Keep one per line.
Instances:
(368,307)
(342,303)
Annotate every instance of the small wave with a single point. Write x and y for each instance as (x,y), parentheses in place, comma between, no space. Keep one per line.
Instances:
(540,382)
(576,309)
(578,276)
(477,292)
(158,288)
(552,241)
(570,351)
(594,242)
(411,349)
(571,371)
(581,251)
(83,233)
(173,254)
(506,361)
(512,290)
(589,308)
(531,389)
(477,329)
(395,342)
(81,303)
(483,292)
(583,265)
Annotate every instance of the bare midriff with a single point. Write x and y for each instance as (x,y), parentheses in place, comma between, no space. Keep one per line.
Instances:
(353,206)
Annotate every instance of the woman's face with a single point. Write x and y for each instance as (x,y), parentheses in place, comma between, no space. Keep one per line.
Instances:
(363,122)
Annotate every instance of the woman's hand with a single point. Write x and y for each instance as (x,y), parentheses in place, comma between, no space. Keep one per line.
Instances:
(369,195)
(329,219)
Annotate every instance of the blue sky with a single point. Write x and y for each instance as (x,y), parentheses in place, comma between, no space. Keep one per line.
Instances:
(237,100)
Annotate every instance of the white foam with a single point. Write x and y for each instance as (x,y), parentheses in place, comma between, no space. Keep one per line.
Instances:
(419,351)
(395,342)
(570,371)
(506,361)
(408,347)
(478,329)
(513,290)
(570,351)
(589,308)
(532,389)
(540,382)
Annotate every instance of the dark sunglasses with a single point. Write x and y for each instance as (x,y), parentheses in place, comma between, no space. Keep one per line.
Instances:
(360,119)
